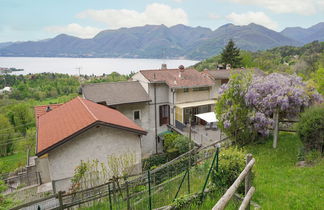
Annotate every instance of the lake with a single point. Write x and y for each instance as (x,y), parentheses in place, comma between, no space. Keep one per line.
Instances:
(96,66)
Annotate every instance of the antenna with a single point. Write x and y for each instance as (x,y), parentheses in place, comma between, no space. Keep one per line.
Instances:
(79,70)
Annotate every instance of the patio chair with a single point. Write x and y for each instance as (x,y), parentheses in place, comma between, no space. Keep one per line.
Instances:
(207,126)
(214,126)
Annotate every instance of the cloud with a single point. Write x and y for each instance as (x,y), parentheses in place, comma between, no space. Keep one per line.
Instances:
(304,7)
(213,16)
(153,14)
(252,17)
(74,29)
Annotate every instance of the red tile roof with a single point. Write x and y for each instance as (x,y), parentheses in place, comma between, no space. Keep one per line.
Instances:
(226,73)
(174,78)
(40,110)
(75,116)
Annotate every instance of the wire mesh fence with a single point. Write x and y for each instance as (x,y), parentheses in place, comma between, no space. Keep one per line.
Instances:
(151,189)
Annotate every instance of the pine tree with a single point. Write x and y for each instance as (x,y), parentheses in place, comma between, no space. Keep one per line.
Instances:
(231,55)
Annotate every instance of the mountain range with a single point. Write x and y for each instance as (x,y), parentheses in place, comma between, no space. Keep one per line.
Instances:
(159,41)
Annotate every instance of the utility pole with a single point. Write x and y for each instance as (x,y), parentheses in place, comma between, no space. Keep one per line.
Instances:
(79,71)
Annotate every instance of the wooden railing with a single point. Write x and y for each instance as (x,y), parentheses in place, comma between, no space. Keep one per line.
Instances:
(249,190)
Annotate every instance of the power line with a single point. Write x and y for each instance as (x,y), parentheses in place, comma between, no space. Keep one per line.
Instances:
(12,142)
(21,125)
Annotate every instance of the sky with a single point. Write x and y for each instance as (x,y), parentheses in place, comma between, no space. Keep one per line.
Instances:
(23,20)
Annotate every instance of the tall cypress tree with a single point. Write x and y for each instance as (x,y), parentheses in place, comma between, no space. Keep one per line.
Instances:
(231,55)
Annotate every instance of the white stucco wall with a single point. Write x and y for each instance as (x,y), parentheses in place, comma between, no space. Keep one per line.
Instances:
(95,144)
(142,80)
(42,167)
(146,122)
(162,93)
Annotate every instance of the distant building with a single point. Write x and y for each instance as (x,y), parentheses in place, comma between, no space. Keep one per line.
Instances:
(222,76)
(81,130)
(5,90)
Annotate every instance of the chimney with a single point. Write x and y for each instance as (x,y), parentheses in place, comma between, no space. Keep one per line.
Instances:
(48,109)
(182,69)
(164,66)
(220,66)
(228,66)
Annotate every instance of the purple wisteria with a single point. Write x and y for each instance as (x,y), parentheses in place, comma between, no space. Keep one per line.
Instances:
(286,93)
(251,103)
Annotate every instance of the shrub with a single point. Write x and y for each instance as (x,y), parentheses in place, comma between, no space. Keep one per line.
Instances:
(310,128)
(231,164)
(154,160)
(5,203)
(176,144)
(313,156)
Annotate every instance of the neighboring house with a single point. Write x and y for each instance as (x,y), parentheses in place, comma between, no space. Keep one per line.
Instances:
(157,98)
(222,76)
(81,130)
(177,94)
(153,97)
(5,90)
(129,98)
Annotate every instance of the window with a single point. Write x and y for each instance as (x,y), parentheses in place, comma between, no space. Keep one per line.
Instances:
(224,81)
(164,114)
(185,90)
(200,89)
(137,115)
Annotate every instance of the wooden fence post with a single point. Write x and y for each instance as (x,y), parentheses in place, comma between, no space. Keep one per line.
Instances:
(248,181)
(276,128)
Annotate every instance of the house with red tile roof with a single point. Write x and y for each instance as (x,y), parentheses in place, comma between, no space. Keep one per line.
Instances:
(81,130)
(179,94)
(155,99)
(159,98)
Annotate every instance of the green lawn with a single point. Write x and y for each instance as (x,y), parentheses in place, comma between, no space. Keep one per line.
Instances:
(11,162)
(279,183)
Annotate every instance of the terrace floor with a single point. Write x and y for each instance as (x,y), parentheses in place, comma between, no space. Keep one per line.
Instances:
(202,136)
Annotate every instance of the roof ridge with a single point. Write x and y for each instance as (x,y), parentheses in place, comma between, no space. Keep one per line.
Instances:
(101,83)
(87,108)
(47,105)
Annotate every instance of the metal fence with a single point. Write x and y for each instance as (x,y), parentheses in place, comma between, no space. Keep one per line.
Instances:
(151,189)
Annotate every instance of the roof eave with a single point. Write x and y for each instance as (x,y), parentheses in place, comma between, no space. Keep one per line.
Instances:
(192,86)
(132,102)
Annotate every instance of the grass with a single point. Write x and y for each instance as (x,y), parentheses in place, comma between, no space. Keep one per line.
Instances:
(279,183)
(11,162)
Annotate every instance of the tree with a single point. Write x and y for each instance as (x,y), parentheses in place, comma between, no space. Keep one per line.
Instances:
(318,78)
(247,105)
(232,111)
(21,118)
(231,55)
(6,136)
(278,96)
